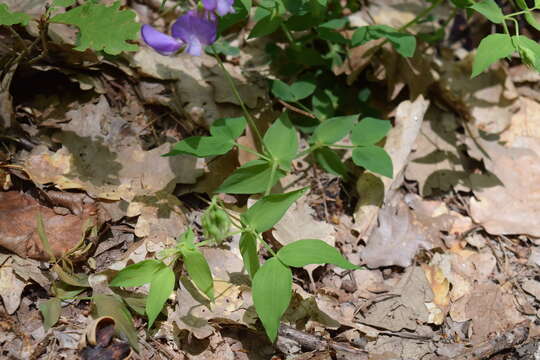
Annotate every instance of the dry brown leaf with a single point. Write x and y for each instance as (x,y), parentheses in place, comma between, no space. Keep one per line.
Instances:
(406,311)
(11,287)
(491,308)
(526,122)
(441,299)
(18,226)
(436,162)
(399,143)
(511,204)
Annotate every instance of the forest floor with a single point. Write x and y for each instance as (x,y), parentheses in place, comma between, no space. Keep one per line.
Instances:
(449,247)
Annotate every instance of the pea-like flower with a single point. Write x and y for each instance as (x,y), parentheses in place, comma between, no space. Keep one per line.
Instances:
(193,30)
(221,7)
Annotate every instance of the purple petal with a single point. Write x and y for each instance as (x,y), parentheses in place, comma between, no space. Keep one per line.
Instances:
(196,30)
(225,7)
(162,43)
(210,5)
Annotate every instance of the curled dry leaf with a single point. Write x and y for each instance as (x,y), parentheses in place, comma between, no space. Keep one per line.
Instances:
(18,226)
(399,143)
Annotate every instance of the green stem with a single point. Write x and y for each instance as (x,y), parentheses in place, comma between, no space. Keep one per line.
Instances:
(272,174)
(344,146)
(251,151)
(289,35)
(305,152)
(238,97)
(508,16)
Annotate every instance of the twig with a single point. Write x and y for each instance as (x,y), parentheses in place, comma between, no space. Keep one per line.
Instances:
(497,344)
(295,109)
(313,342)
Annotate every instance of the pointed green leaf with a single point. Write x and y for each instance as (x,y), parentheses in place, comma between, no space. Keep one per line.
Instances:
(50,310)
(489,9)
(281,141)
(272,289)
(202,146)
(369,131)
(334,129)
(373,158)
(79,280)
(529,17)
(248,249)
(229,128)
(492,48)
(250,178)
(529,50)
(312,251)
(161,288)
(137,274)
(102,27)
(199,271)
(303,88)
(282,90)
(329,160)
(187,238)
(266,212)
(266,26)
(113,306)
(12,18)
(405,44)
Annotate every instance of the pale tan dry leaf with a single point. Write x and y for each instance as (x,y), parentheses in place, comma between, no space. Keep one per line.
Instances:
(526,122)
(11,287)
(436,163)
(406,311)
(511,205)
(441,299)
(487,102)
(399,143)
(532,287)
(491,308)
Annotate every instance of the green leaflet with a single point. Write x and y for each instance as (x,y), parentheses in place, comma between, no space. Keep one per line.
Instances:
(492,48)
(373,158)
(161,288)
(333,129)
(9,18)
(102,27)
(137,274)
(272,289)
(312,251)
(266,212)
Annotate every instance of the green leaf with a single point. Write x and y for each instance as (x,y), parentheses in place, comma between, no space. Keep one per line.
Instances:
(241,14)
(311,251)
(102,28)
(199,271)
(281,141)
(202,146)
(250,178)
(44,239)
(266,26)
(369,131)
(462,4)
(187,238)
(161,287)
(373,158)
(50,310)
(137,274)
(529,17)
(9,18)
(405,44)
(266,212)
(489,9)
(221,46)
(329,160)
(63,3)
(295,92)
(248,249)
(113,306)
(62,290)
(492,48)
(136,303)
(272,290)
(324,104)
(230,128)
(529,50)
(79,280)
(333,129)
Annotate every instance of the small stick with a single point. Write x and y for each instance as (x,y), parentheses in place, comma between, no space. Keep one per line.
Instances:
(295,109)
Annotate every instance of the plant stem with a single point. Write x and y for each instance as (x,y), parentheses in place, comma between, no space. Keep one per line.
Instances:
(272,174)
(249,118)
(251,151)
(265,244)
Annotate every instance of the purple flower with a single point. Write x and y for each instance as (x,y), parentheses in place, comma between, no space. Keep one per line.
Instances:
(162,43)
(194,30)
(222,7)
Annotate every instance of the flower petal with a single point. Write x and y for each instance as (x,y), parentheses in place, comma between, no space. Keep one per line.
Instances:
(196,30)
(225,7)
(162,43)
(210,5)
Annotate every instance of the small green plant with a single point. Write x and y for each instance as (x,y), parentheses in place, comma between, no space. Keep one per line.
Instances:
(497,46)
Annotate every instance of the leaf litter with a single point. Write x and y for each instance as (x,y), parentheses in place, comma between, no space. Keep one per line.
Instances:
(449,243)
